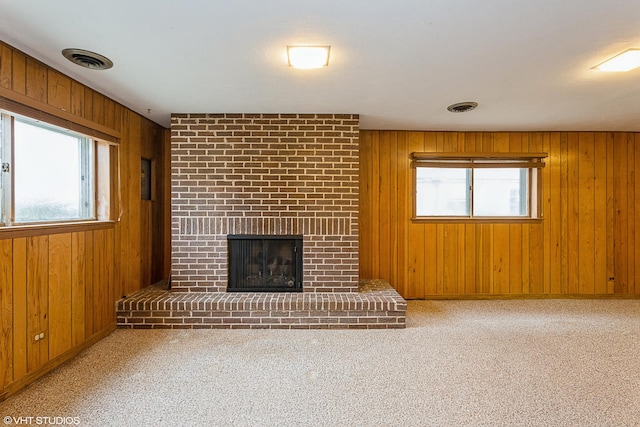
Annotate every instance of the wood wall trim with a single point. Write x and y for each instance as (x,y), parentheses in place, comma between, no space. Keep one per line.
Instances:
(23,105)
(17,231)
(476,155)
(476,220)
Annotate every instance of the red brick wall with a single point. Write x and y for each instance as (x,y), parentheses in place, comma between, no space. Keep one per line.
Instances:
(264,174)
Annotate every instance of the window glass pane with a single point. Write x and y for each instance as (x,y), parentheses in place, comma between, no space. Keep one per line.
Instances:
(49,182)
(500,192)
(442,192)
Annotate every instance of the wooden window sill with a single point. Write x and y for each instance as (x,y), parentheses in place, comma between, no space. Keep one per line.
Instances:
(28,230)
(467,220)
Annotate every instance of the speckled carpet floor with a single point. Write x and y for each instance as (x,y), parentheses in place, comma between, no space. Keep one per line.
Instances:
(458,363)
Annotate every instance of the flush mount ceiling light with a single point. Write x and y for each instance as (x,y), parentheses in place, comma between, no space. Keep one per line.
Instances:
(462,107)
(86,59)
(626,61)
(308,57)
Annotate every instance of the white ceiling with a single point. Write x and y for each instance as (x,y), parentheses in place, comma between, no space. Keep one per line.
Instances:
(397,63)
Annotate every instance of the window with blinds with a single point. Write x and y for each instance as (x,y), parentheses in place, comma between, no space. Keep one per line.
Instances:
(477,186)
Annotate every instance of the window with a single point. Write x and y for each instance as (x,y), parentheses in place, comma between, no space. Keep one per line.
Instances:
(48,173)
(477,186)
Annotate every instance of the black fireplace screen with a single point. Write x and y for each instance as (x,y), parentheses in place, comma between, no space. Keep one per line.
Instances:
(265,263)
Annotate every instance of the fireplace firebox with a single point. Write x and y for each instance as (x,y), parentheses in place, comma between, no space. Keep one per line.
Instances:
(265,263)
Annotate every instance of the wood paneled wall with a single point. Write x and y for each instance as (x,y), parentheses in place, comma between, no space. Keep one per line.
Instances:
(64,282)
(588,243)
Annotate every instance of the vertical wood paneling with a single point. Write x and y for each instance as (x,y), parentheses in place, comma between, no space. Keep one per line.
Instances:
(60,293)
(600,213)
(58,90)
(384,188)
(620,190)
(545,207)
(98,105)
(36,80)
(78,287)
(119,123)
(6,312)
(77,99)
(393,211)
(109,114)
(37,301)
(470,262)
(611,264)
(146,241)
(366,199)
(133,278)
(403,211)
(588,234)
(92,283)
(100,292)
(631,203)
(552,182)
(87,104)
(375,200)
(573,218)
(19,73)
(113,295)
(586,214)
(563,196)
(19,308)
(5,66)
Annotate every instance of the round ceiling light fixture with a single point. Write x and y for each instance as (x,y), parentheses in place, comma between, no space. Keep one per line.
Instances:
(87,59)
(462,107)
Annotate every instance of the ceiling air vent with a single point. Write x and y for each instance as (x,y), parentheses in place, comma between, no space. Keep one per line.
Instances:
(87,59)
(462,107)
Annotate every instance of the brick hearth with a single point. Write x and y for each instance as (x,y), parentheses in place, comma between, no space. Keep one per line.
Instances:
(376,306)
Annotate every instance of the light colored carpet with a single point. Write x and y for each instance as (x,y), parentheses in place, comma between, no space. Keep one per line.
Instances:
(458,363)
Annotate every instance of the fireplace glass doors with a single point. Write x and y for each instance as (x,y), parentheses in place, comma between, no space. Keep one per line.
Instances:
(260,263)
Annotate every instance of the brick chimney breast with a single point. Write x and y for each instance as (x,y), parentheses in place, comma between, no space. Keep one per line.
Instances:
(279,174)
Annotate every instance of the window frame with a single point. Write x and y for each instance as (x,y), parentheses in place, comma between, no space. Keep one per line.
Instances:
(533,162)
(101,161)
(6,178)
(86,162)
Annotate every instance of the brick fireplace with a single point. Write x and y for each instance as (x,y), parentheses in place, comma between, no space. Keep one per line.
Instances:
(264,175)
